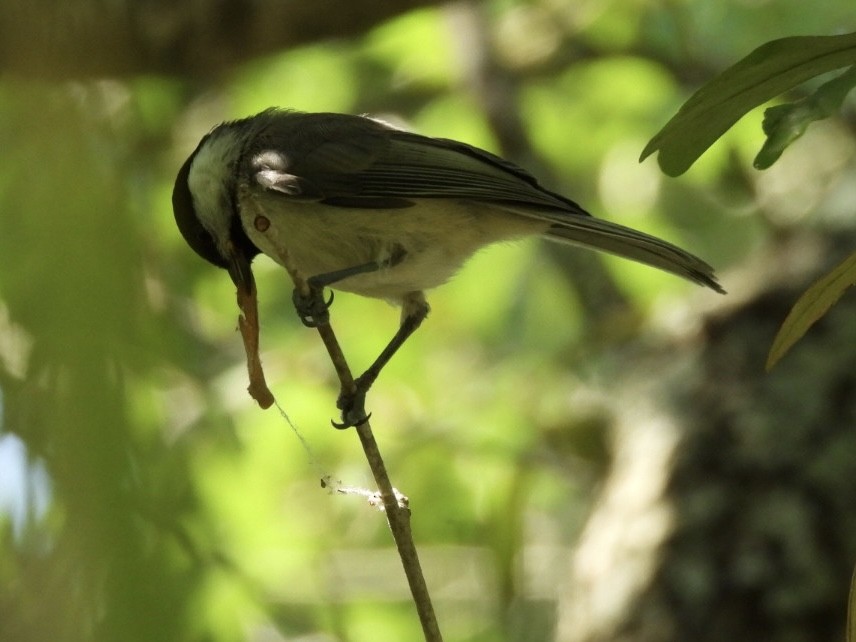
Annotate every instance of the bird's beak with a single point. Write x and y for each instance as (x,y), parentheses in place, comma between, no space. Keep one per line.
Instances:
(239,269)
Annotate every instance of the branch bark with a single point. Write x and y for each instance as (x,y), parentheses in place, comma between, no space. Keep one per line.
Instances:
(395,506)
(82,38)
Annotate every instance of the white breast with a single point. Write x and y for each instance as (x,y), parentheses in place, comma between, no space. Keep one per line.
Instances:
(435,236)
(209,182)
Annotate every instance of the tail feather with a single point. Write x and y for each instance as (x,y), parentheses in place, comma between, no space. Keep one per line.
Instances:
(587,231)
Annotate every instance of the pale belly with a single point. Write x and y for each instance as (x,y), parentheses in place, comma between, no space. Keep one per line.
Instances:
(418,248)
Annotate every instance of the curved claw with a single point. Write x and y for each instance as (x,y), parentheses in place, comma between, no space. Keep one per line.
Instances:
(353,406)
(312,309)
(343,425)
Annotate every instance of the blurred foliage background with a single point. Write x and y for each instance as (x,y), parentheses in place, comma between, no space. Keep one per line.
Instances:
(143,496)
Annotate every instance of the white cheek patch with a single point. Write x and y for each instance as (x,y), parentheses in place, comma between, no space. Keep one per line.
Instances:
(271,173)
(210,179)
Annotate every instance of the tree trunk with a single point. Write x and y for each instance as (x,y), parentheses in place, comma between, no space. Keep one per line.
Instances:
(730,510)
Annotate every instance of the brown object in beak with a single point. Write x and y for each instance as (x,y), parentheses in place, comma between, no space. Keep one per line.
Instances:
(248,323)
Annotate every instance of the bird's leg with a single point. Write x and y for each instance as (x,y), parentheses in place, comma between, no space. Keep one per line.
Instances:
(312,309)
(352,403)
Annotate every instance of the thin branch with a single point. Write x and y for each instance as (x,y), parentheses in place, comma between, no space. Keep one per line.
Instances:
(395,506)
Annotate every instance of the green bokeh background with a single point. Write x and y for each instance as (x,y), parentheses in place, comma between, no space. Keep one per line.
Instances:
(145,497)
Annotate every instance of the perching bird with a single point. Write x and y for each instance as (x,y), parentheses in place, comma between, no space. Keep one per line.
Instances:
(367,208)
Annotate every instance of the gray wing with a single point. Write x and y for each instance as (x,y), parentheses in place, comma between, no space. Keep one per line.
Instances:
(350,159)
(356,162)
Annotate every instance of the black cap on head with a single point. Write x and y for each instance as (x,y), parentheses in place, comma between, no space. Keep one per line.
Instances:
(234,255)
(197,237)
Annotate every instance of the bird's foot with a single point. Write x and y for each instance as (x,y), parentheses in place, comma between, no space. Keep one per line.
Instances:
(312,309)
(352,404)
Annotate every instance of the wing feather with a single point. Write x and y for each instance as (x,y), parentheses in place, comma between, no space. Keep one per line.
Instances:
(358,162)
(351,157)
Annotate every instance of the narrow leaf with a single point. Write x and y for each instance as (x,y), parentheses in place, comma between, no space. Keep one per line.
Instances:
(783,124)
(851,607)
(770,70)
(811,306)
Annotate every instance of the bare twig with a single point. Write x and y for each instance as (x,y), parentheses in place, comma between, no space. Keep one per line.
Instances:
(397,510)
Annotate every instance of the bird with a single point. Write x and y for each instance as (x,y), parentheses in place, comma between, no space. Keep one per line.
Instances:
(362,206)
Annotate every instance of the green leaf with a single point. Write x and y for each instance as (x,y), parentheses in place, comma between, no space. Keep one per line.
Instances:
(811,306)
(783,124)
(770,70)
(851,607)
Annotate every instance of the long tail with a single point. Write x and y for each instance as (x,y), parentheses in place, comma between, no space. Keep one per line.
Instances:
(587,231)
